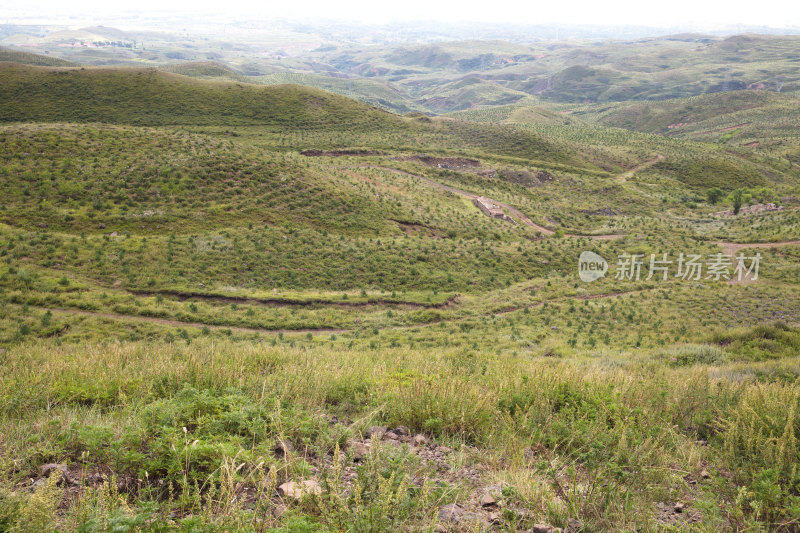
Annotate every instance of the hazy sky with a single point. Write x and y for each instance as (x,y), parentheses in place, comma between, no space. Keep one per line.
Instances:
(691,13)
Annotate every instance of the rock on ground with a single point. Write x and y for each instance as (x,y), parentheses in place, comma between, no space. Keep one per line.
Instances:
(296,490)
(454,513)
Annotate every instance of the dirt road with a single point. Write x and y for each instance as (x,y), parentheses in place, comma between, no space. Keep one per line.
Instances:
(638,168)
(730,248)
(516,213)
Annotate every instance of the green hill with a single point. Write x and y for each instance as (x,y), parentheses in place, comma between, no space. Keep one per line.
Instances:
(28,58)
(151,97)
(689,114)
(374,92)
(204,70)
(470,92)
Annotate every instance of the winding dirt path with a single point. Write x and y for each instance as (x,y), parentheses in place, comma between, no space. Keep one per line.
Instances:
(730,248)
(471,195)
(179,324)
(638,168)
(285,302)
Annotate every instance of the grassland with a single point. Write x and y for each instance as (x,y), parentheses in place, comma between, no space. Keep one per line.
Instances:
(28,58)
(120,95)
(195,313)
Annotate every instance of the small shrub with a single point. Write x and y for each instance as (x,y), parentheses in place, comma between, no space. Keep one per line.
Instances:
(695,354)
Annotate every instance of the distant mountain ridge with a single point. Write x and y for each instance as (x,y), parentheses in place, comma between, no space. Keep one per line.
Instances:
(443,76)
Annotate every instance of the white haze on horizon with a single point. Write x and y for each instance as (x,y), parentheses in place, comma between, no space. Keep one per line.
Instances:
(689,14)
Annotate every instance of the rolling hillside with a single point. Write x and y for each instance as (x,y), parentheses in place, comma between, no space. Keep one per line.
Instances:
(28,58)
(700,115)
(204,70)
(262,308)
(150,97)
(449,76)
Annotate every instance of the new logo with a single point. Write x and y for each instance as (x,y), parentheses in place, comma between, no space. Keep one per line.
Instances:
(591,266)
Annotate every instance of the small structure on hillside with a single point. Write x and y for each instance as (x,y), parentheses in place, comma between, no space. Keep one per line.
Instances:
(491,209)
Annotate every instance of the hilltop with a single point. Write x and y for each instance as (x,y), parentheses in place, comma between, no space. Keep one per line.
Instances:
(205,70)
(149,97)
(28,58)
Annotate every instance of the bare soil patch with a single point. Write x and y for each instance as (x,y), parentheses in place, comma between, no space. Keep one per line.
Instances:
(442,162)
(412,228)
(526,178)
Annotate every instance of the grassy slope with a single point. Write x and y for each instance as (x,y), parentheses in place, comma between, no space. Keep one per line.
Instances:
(696,116)
(698,165)
(204,70)
(151,279)
(374,92)
(149,97)
(27,58)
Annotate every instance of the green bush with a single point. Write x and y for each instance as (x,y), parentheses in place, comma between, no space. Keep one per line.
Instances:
(695,354)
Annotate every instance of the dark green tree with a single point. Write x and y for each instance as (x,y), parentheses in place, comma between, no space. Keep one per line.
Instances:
(714,195)
(737,201)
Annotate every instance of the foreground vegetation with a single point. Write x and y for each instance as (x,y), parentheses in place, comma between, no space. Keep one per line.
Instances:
(188,433)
